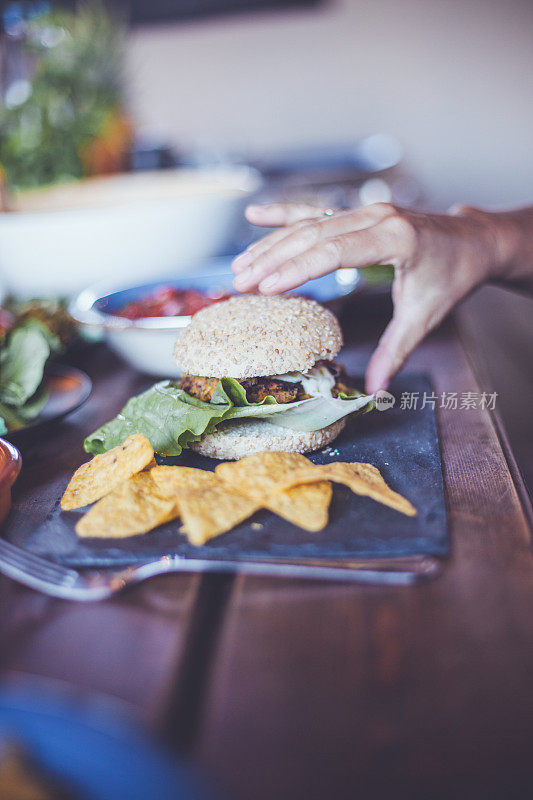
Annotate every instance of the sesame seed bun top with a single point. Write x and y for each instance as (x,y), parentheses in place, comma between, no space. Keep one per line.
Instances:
(250,336)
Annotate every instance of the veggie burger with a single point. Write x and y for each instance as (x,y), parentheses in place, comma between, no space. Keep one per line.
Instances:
(257,374)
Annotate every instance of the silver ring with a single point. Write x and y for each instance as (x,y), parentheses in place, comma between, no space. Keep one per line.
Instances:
(328,212)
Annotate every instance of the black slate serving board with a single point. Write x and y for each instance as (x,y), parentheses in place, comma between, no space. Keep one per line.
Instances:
(403,444)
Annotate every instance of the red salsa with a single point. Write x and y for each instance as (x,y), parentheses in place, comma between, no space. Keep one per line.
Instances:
(171,302)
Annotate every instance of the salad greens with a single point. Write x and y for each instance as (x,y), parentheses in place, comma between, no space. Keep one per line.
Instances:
(171,419)
(22,363)
(23,356)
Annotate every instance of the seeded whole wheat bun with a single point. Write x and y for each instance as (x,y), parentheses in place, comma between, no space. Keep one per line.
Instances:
(236,439)
(255,336)
(251,336)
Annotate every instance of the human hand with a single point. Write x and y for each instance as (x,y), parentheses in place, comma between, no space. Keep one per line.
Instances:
(438,260)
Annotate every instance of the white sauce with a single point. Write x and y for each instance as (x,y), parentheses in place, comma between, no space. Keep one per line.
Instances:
(317,382)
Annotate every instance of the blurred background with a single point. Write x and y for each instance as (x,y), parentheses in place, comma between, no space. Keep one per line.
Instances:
(244,80)
(449,80)
(133,134)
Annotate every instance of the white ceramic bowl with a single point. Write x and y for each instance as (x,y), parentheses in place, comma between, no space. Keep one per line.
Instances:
(148,344)
(128,227)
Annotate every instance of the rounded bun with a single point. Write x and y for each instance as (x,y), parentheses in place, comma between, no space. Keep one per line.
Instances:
(237,439)
(250,336)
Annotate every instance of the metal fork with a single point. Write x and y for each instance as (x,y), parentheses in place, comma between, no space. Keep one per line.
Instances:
(58,581)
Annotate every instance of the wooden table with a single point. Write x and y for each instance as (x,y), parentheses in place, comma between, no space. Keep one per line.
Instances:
(284,689)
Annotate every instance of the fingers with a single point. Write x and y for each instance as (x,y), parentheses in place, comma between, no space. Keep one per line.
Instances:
(270,254)
(357,249)
(248,257)
(400,338)
(276,248)
(277,214)
(302,213)
(413,319)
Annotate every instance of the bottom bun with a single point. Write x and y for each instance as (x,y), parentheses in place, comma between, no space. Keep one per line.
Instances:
(235,440)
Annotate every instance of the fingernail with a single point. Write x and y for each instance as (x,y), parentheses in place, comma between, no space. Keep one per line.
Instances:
(269,282)
(241,262)
(242,279)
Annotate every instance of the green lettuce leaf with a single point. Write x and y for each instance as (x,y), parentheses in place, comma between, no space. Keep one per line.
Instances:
(22,364)
(13,419)
(168,417)
(301,415)
(33,407)
(171,419)
(321,411)
(237,394)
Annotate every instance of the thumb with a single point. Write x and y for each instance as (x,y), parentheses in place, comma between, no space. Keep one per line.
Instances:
(398,341)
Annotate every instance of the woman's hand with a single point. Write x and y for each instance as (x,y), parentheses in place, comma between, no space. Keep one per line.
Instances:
(438,260)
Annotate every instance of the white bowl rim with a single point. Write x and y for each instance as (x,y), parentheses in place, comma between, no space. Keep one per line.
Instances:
(247,181)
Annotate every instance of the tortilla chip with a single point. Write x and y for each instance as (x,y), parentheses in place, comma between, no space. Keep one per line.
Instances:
(261,477)
(103,473)
(208,512)
(172,479)
(208,506)
(305,506)
(134,507)
(262,472)
(362,479)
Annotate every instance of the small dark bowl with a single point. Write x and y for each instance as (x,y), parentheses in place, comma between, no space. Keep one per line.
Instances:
(10,464)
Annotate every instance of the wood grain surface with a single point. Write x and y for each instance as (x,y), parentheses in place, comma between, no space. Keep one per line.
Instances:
(292,689)
(129,648)
(323,691)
